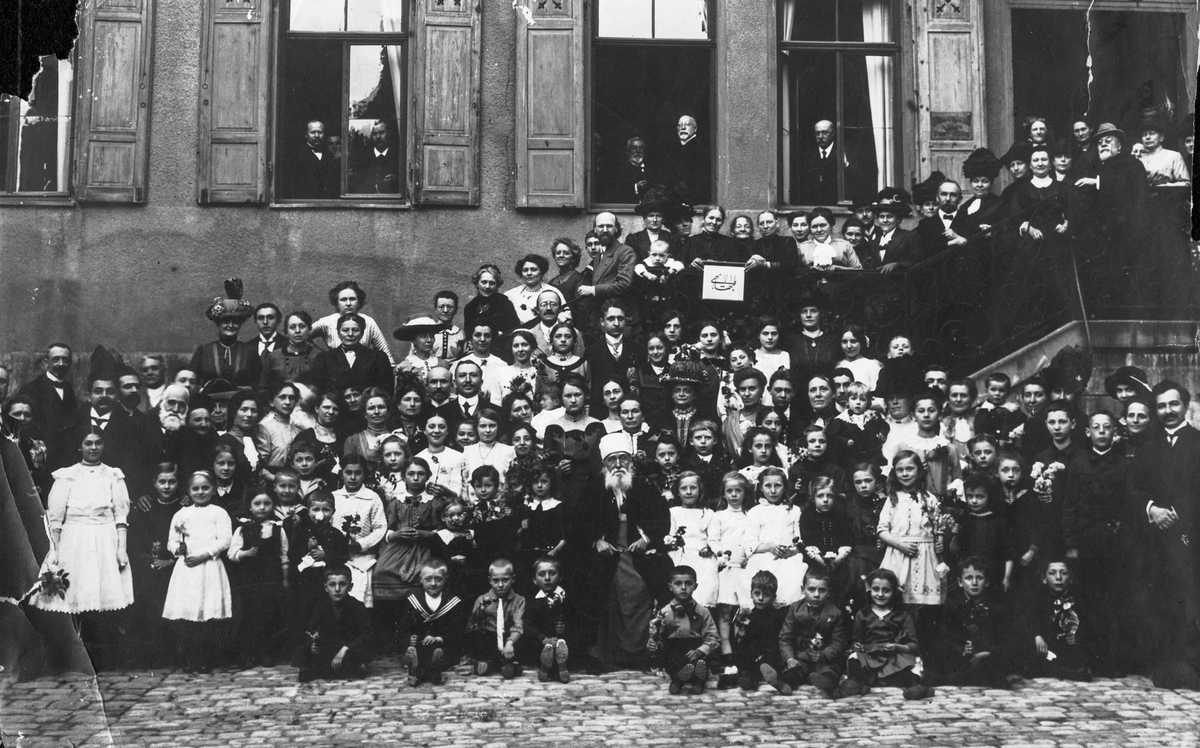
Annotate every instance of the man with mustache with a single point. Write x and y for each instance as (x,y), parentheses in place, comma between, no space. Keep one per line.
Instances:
(1165,492)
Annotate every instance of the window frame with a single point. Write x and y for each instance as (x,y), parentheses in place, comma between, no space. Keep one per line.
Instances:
(66,196)
(405,147)
(592,37)
(893,49)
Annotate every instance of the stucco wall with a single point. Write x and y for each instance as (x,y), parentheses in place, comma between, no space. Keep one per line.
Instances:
(139,277)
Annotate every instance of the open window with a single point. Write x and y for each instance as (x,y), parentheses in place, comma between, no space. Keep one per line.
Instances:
(651,66)
(342,125)
(838,65)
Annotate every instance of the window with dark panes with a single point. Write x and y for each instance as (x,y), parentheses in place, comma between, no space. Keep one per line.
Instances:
(35,135)
(838,64)
(651,110)
(341,125)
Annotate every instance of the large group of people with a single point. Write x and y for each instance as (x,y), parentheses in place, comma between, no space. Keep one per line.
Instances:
(601,469)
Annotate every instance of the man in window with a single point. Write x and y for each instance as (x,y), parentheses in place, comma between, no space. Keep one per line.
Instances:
(315,170)
(815,167)
(689,163)
(627,181)
(376,168)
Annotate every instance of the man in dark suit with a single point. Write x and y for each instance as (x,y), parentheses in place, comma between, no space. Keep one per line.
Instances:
(52,394)
(315,172)
(352,363)
(122,438)
(266,318)
(815,168)
(468,396)
(690,163)
(937,232)
(1165,489)
(611,264)
(895,248)
(626,181)
(610,357)
(1116,226)
(377,169)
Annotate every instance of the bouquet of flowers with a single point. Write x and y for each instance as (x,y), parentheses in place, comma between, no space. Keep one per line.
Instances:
(1043,478)
(52,582)
(943,525)
(1066,618)
(351,525)
(816,642)
(675,542)
(182,530)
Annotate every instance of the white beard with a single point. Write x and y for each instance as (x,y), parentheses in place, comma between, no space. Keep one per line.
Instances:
(169,421)
(620,483)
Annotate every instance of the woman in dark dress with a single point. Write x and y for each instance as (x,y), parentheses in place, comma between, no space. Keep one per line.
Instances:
(1033,248)
(566,255)
(489,306)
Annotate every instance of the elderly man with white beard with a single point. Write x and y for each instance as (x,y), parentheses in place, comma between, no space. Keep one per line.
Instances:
(627,522)
(160,432)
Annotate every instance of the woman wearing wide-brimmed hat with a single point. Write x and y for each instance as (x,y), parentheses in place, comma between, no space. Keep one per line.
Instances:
(227,357)
(421,358)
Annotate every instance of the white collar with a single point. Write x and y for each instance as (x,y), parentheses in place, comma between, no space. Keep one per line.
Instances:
(379,153)
(97,417)
(55,380)
(559,592)
(1175,431)
(544,504)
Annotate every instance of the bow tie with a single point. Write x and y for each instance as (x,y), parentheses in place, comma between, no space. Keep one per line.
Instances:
(349,349)
(948,216)
(678,608)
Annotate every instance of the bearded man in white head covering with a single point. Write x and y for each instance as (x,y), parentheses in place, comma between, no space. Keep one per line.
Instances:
(626,522)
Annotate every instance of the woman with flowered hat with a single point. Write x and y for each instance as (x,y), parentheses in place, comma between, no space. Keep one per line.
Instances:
(227,357)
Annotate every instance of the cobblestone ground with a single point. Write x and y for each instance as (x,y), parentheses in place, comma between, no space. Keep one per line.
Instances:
(267,707)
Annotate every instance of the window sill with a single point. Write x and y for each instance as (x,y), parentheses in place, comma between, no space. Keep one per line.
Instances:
(37,201)
(348,204)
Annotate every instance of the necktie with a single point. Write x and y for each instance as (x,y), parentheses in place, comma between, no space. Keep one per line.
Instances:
(1171,439)
(500,624)
(466,409)
(101,422)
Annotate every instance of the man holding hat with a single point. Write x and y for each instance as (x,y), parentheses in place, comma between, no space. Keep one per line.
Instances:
(227,357)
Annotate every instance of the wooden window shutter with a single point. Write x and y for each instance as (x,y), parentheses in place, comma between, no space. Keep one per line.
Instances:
(550,101)
(445,98)
(231,153)
(115,49)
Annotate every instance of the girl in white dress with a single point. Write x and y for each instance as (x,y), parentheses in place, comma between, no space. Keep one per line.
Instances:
(446,463)
(775,543)
(907,523)
(689,538)
(199,596)
(729,536)
(487,451)
(86,511)
(359,515)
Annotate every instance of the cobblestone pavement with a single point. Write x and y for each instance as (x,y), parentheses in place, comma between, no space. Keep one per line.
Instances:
(267,707)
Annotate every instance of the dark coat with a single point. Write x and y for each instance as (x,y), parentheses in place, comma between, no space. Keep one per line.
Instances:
(802,625)
(238,363)
(51,413)
(374,174)
(639,241)
(601,366)
(495,311)
(312,177)
(371,368)
(904,249)
(1096,512)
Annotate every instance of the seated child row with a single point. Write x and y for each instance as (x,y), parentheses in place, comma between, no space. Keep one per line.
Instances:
(812,642)
(278,554)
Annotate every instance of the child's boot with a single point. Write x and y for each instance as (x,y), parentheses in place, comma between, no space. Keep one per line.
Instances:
(437,664)
(825,684)
(509,670)
(676,687)
(561,655)
(917,691)
(771,676)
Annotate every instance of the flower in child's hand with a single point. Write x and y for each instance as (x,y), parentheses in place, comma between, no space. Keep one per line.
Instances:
(351,526)
(314,638)
(816,642)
